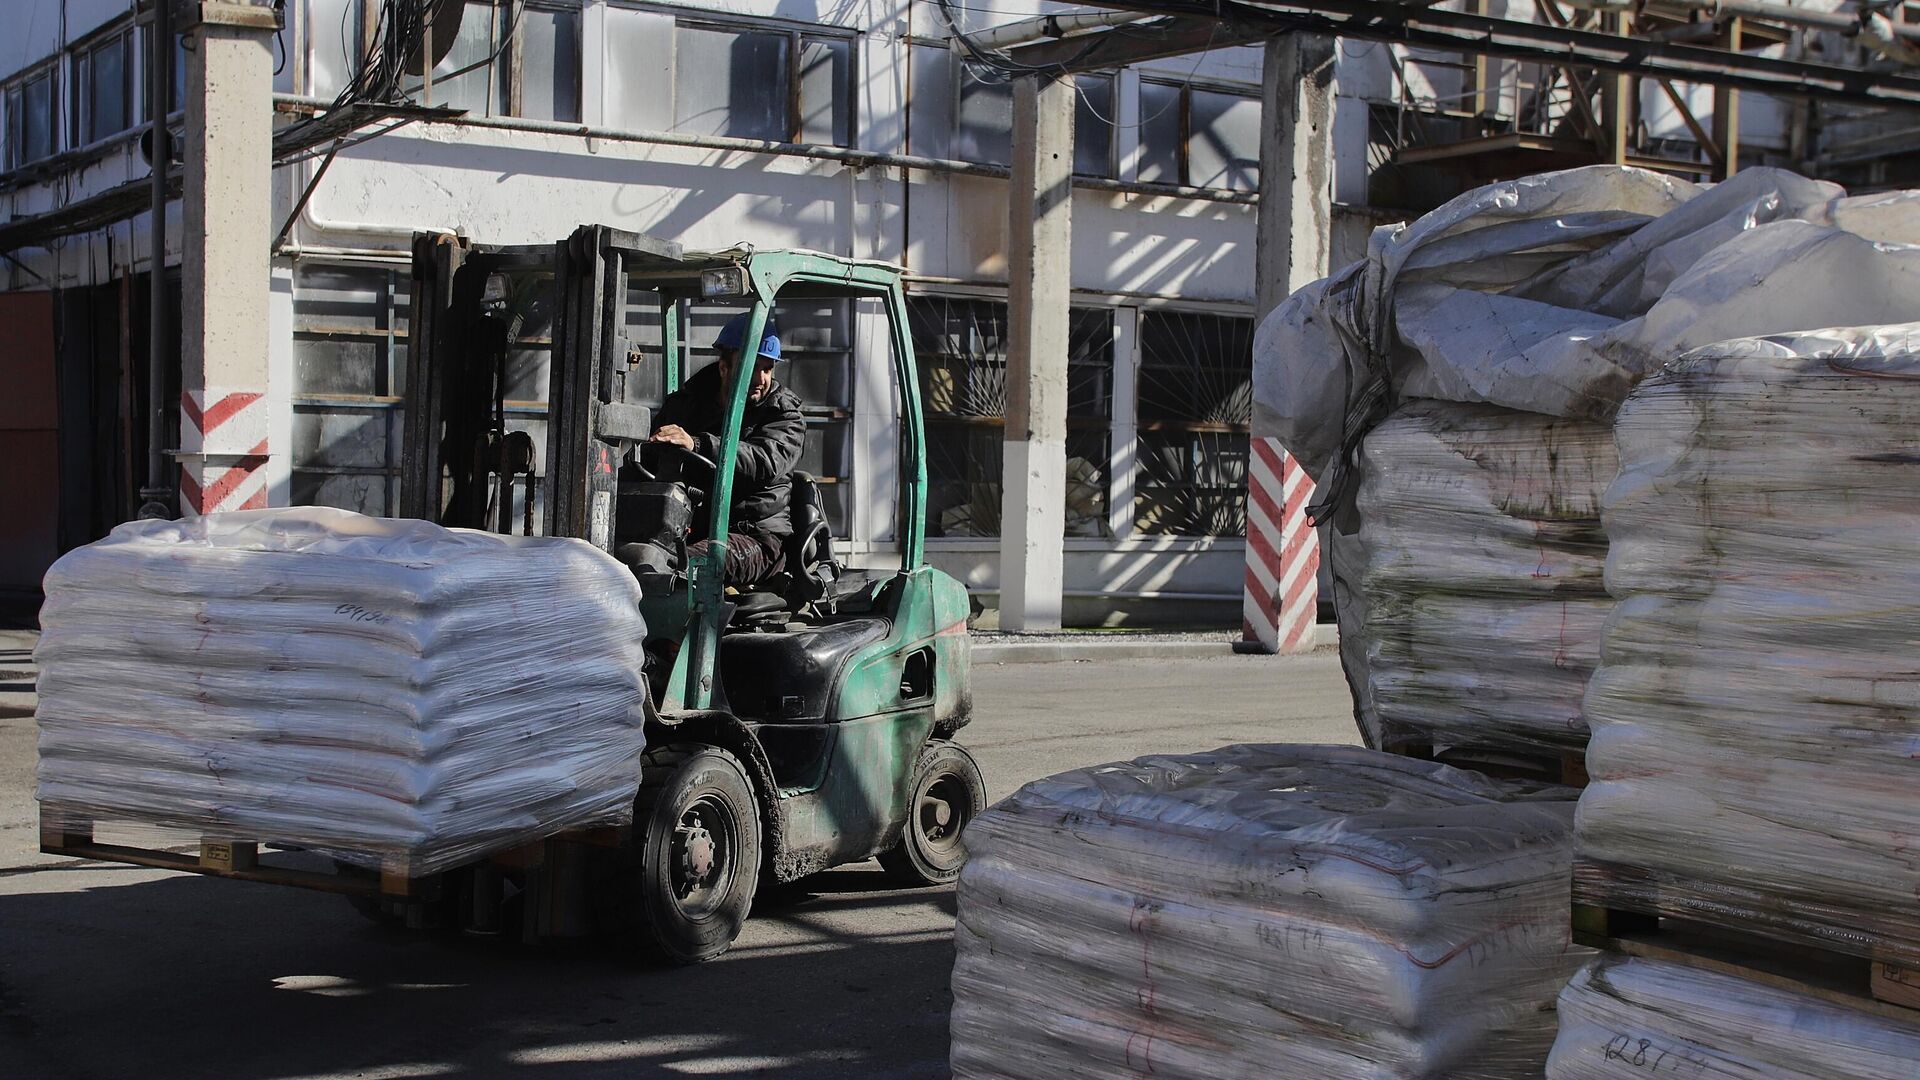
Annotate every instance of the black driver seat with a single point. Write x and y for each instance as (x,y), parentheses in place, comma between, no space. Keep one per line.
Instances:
(810,559)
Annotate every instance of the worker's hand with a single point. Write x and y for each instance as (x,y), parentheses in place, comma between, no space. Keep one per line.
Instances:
(675,434)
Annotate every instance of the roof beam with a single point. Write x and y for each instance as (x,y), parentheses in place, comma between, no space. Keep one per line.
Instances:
(1372,20)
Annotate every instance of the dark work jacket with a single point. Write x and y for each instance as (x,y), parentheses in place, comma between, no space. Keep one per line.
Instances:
(771,434)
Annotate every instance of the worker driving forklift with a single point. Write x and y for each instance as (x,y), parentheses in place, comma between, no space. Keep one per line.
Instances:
(802,713)
(772,433)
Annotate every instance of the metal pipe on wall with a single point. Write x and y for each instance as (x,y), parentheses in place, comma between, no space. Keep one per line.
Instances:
(156,497)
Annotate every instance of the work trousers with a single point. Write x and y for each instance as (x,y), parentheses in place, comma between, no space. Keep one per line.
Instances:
(750,560)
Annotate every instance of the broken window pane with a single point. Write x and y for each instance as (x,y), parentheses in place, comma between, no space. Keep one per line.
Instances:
(826,84)
(1160,124)
(550,64)
(1224,150)
(1093,122)
(984,129)
(732,83)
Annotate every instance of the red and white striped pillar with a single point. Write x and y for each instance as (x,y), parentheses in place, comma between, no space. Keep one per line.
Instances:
(1282,596)
(227,280)
(224,445)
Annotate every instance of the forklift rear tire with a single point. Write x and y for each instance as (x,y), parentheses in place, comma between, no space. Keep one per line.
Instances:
(692,884)
(948,792)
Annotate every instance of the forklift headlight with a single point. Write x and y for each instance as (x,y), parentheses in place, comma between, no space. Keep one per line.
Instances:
(726,281)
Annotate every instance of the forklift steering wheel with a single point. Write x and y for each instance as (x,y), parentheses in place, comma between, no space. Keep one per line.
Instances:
(697,457)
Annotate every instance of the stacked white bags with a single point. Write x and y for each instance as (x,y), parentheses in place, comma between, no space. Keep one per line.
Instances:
(1757,711)
(1263,911)
(392,691)
(1625,1019)
(1550,296)
(1480,565)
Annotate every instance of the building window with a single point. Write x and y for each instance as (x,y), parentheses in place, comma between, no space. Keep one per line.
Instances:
(32,118)
(816,363)
(1196,402)
(1199,137)
(960,346)
(349,364)
(983,124)
(501,65)
(756,82)
(103,89)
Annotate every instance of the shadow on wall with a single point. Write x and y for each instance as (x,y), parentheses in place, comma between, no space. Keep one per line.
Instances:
(735,197)
(186,976)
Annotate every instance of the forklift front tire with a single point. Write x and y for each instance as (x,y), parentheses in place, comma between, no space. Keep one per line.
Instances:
(948,792)
(698,826)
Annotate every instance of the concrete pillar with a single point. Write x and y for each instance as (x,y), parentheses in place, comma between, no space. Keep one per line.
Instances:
(1295,230)
(1039,269)
(1295,238)
(226,281)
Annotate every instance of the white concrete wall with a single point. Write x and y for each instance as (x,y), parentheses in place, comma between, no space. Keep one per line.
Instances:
(516,186)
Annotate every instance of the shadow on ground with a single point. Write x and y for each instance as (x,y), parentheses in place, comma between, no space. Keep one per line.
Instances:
(110,972)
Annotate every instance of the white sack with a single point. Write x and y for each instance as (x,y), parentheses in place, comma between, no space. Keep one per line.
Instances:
(1557,293)
(1263,911)
(1631,1018)
(389,690)
(1757,709)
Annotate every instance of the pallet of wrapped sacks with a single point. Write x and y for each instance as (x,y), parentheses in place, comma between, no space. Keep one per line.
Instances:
(397,694)
(1548,296)
(1276,910)
(1631,1017)
(1757,706)
(1472,595)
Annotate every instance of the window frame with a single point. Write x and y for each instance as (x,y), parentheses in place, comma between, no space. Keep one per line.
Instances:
(513,51)
(958,91)
(1200,436)
(132,80)
(1185,89)
(1083,427)
(797,35)
(13,95)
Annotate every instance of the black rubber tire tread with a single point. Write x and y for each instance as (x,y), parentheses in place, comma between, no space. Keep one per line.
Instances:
(904,862)
(651,932)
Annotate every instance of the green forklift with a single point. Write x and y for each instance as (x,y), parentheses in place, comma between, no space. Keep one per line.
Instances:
(801,725)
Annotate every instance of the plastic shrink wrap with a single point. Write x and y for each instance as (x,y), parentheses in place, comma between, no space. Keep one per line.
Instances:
(1756,713)
(1306,911)
(1480,556)
(1630,1018)
(390,691)
(1556,293)
(1551,295)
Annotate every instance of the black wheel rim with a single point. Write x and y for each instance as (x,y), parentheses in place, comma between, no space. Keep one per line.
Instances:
(945,805)
(701,860)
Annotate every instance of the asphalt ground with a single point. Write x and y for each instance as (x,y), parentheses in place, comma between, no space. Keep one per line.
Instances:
(121,972)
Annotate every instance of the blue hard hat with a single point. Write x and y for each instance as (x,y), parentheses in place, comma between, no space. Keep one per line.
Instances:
(735,331)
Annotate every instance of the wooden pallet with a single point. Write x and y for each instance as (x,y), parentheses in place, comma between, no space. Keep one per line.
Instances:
(72,834)
(1880,987)
(64,831)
